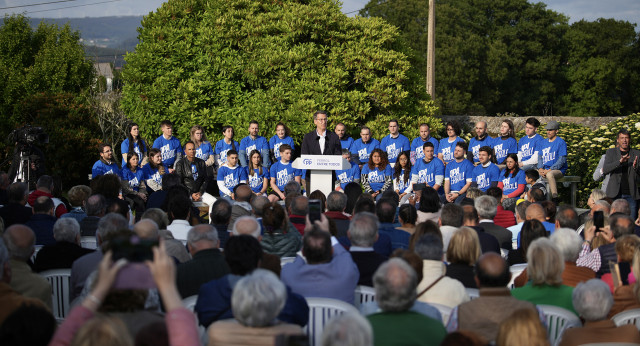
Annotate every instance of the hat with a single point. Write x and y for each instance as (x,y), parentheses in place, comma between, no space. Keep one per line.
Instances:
(552,125)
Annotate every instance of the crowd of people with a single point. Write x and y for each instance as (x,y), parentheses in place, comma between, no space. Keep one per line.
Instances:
(421,237)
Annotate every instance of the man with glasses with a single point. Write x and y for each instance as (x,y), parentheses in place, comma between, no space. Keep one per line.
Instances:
(320,141)
(552,161)
(106,164)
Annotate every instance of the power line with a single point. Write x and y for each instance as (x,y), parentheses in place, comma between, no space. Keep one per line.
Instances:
(74,6)
(371,6)
(38,4)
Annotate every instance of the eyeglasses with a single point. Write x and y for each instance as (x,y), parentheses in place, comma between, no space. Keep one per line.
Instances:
(323,120)
(450,130)
(108,151)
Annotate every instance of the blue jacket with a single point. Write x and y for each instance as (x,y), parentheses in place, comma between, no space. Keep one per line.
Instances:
(399,238)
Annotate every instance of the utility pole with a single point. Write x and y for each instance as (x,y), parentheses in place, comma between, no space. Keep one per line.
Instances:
(431,50)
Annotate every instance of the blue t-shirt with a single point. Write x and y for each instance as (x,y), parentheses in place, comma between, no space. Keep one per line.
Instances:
(256,181)
(458,173)
(364,150)
(416,148)
(248,145)
(502,147)
(231,177)
(446,148)
(134,179)
(394,146)
(275,142)
(527,146)
(510,183)
(169,148)
(400,183)
(346,176)
(283,173)
(427,172)
(151,174)
(100,168)
(346,143)
(204,151)
(376,176)
(550,152)
(222,147)
(475,145)
(484,176)
(124,149)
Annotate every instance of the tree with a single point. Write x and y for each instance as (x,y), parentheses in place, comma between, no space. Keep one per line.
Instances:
(230,61)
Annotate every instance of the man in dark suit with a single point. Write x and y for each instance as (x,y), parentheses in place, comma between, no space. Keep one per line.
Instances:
(321,141)
(621,164)
(66,232)
(15,211)
(363,232)
(487,207)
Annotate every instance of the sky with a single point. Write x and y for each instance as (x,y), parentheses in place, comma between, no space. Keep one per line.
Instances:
(575,9)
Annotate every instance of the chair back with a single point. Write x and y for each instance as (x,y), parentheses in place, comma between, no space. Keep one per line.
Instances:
(89,242)
(35,252)
(515,270)
(285,260)
(473,293)
(190,302)
(60,280)
(364,294)
(558,320)
(445,311)
(627,317)
(321,310)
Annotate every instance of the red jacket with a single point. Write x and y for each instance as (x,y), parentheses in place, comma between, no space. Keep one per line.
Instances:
(60,208)
(504,218)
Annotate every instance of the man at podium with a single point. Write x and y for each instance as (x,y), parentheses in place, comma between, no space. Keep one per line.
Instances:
(320,141)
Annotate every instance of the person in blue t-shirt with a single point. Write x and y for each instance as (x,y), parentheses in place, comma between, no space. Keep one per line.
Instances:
(254,142)
(345,140)
(230,175)
(153,171)
(486,174)
(204,150)
(364,146)
(417,145)
(505,143)
(428,170)
(106,164)
(376,176)
(447,145)
(395,142)
(224,145)
(512,181)
(283,172)
(552,158)
(481,139)
(527,145)
(133,143)
(346,176)
(257,175)
(169,146)
(281,137)
(133,186)
(402,177)
(457,176)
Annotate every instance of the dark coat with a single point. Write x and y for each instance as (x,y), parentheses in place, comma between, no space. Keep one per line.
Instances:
(183,170)
(205,266)
(311,144)
(60,255)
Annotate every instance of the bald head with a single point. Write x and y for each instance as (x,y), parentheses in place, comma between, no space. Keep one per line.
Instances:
(492,271)
(243,193)
(146,229)
(247,225)
(535,212)
(20,241)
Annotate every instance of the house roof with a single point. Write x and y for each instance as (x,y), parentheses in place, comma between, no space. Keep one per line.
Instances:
(103,69)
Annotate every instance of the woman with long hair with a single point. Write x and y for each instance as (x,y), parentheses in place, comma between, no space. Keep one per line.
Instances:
(377,176)
(258,176)
(505,143)
(204,150)
(281,137)
(462,254)
(153,171)
(279,239)
(133,184)
(133,143)
(402,177)
(224,145)
(512,181)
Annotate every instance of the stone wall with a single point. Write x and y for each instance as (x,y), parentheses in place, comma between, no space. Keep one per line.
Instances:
(493,123)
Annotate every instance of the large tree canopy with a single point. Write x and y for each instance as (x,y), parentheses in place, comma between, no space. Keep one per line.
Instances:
(229,61)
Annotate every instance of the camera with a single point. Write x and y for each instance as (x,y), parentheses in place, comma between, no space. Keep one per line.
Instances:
(28,135)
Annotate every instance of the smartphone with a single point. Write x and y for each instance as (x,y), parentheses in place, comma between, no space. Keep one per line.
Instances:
(598,220)
(132,248)
(315,209)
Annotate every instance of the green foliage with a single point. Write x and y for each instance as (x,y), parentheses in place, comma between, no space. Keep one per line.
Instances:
(214,63)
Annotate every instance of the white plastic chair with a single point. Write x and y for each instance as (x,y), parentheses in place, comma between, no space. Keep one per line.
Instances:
(515,270)
(473,293)
(445,311)
(321,310)
(60,280)
(627,317)
(364,294)
(190,302)
(35,252)
(88,242)
(558,320)
(285,260)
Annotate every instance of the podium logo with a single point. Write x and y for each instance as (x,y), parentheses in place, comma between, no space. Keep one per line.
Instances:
(307,161)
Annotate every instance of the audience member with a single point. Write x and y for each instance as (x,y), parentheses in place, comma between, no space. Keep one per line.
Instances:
(470,218)
(462,254)
(451,216)
(487,207)
(407,217)
(77,197)
(567,217)
(386,212)
(503,218)
(241,205)
(363,232)
(96,207)
(18,329)
(353,192)
(349,329)
(626,297)
(336,205)
(298,212)
(521,210)
(62,254)
(221,219)
(15,211)
(536,212)
(598,259)
(429,208)
(174,248)
(45,187)
(625,248)
(531,230)
(179,210)
(620,206)
(522,327)
(279,238)
(42,220)
(248,225)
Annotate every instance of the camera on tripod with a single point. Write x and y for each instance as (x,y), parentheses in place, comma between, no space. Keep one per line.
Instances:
(28,135)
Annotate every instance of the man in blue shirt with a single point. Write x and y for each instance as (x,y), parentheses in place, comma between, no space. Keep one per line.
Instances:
(417,145)
(345,176)
(457,176)
(169,146)
(427,170)
(552,161)
(527,145)
(363,147)
(481,139)
(283,172)
(486,174)
(395,142)
(345,140)
(254,142)
(106,164)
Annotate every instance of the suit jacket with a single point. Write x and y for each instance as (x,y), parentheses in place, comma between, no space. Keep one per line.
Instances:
(502,234)
(613,168)
(183,170)
(311,144)
(89,225)
(60,255)
(14,213)
(367,262)
(30,284)
(600,332)
(42,226)
(205,266)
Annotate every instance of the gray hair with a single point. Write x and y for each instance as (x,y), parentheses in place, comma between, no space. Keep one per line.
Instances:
(292,186)
(246,225)
(300,206)
(257,203)
(336,201)
(158,216)
(429,247)
(4,257)
(258,298)
(544,263)
(95,205)
(521,209)
(363,229)
(202,232)
(487,207)
(395,283)
(604,205)
(21,253)
(111,223)
(349,329)
(66,229)
(621,206)
(592,300)
(568,242)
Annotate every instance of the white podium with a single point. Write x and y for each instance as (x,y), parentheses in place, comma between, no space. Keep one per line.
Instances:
(321,169)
